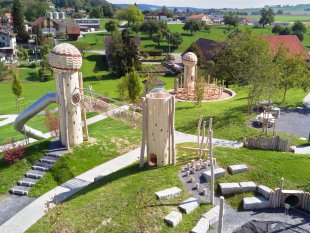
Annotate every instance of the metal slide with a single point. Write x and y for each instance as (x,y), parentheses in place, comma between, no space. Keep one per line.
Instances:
(31,111)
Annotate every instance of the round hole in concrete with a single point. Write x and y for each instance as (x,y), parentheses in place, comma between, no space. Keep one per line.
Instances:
(292,200)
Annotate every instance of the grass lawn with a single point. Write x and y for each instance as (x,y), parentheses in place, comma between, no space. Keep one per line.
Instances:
(112,138)
(285,18)
(122,202)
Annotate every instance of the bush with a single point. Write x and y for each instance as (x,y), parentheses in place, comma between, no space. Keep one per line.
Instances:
(153,52)
(13,152)
(33,65)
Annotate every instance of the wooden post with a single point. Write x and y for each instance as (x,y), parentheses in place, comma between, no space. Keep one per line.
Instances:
(212,167)
(144,134)
(274,128)
(208,79)
(198,129)
(174,160)
(281,184)
(83,112)
(221,215)
(202,138)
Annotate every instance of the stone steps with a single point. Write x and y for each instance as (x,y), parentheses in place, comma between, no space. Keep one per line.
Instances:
(28,182)
(49,159)
(20,190)
(34,174)
(41,166)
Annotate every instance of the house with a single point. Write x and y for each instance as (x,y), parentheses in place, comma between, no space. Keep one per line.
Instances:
(87,24)
(156,16)
(53,26)
(290,43)
(108,40)
(201,18)
(7,19)
(8,43)
(246,21)
(69,11)
(208,48)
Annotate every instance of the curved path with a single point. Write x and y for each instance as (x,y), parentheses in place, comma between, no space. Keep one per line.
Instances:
(29,215)
(306,101)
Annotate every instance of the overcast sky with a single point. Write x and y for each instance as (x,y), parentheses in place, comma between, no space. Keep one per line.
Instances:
(214,3)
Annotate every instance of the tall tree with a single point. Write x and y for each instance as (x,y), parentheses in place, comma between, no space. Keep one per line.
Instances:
(40,37)
(111,26)
(200,87)
(131,14)
(35,10)
(17,86)
(107,11)
(192,26)
(176,39)
(267,16)
(135,86)
(299,26)
(18,21)
(231,20)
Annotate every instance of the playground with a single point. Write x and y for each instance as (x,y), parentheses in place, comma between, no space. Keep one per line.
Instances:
(135,166)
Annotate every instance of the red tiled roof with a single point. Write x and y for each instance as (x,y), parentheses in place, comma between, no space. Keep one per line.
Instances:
(289,42)
(199,16)
(73,29)
(38,22)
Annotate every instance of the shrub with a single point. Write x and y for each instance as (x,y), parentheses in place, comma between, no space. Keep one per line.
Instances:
(51,122)
(13,152)
(153,52)
(33,65)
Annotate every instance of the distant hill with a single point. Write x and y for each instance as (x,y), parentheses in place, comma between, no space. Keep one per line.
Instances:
(147,7)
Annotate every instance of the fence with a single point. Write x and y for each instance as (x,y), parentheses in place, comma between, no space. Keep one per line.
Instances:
(275,143)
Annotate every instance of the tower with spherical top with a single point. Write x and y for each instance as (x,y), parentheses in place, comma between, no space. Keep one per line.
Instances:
(190,69)
(65,61)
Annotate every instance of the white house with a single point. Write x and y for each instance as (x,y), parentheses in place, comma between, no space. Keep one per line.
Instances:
(8,41)
(157,16)
(201,18)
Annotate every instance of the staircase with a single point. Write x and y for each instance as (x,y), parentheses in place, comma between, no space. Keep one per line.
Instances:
(38,169)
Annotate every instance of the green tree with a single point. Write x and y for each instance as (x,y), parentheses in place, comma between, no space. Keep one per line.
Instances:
(231,20)
(299,26)
(151,27)
(292,71)
(135,86)
(246,60)
(4,71)
(40,37)
(18,22)
(107,11)
(158,37)
(111,26)
(96,13)
(285,31)
(17,86)
(191,26)
(276,29)
(131,14)
(267,16)
(176,39)
(166,11)
(200,87)
(82,46)
(36,10)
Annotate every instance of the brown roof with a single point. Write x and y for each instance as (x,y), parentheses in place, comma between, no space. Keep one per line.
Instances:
(9,15)
(199,16)
(38,21)
(73,29)
(291,43)
(209,48)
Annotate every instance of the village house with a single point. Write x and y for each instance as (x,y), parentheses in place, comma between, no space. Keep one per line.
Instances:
(156,16)
(8,45)
(200,18)
(290,43)
(7,19)
(88,24)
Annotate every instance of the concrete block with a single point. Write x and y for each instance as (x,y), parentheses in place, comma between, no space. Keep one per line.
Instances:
(189,205)
(212,215)
(252,203)
(247,186)
(168,193)
(229,188)
(218,172)
(173,218)
(235,169)
(202,226)
(264,190)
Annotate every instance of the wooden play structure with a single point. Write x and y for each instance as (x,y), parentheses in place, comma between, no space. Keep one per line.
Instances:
(158,130)
(184,86)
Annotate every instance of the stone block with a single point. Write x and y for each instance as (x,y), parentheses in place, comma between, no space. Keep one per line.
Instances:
(212,215)
(173,218)
(218,172)
(264,190)
(252,203)
(202,226)
(247,186)
(189,205)
(235,169)
(229,188)
(168,193)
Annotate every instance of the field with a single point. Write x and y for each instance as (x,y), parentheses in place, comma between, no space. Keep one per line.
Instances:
(286,18)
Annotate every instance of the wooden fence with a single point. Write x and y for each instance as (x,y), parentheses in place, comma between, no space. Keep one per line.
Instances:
(275,143)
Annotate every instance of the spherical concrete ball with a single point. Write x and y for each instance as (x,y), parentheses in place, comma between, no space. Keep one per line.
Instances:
(65,58)
(189,59)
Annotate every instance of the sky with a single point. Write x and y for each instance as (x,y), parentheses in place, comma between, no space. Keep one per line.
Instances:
(214,3)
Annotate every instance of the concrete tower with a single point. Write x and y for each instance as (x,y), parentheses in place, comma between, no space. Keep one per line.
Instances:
(190,69)
(65,60)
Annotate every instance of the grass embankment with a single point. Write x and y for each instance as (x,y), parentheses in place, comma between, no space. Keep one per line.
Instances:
(112,138)
(123,202)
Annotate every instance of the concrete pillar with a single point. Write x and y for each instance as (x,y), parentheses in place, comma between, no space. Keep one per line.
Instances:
(221,215)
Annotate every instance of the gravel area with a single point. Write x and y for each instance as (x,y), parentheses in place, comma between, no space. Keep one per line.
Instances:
(234,219)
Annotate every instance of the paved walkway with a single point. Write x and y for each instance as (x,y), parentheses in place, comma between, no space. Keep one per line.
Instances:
(8,119)
(29,215)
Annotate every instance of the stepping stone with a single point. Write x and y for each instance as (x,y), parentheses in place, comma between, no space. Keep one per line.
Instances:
(247,186)
(173,218)
(168,193)
(19,190)
(57,153)
(264,190)
(212,215)
(189,205)
(29,182)
(235,169)
(34,174)
(40,166)
(218,172)
(253,203)
(229,188)
(48,159)
(202,226)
